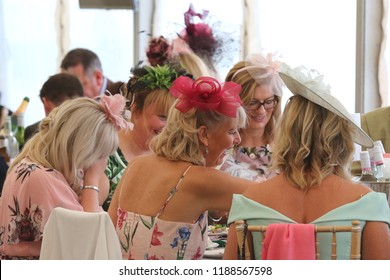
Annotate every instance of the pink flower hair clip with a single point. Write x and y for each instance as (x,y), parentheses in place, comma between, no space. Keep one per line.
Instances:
(158,51)
(255,62)
(114,107)
(207,94)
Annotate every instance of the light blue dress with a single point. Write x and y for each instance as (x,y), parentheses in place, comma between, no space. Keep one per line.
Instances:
(371,207)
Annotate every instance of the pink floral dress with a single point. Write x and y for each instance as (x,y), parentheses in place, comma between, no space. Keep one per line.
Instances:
(150,238)
(249,163)
(30,193)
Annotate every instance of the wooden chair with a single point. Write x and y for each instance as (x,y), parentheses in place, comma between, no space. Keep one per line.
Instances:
(245,241)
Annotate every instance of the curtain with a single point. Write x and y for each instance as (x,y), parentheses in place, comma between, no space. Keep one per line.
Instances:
(252,37)
(62,29)
(384,55)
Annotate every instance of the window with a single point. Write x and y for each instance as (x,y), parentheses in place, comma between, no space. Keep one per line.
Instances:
(304,32)
(30,48)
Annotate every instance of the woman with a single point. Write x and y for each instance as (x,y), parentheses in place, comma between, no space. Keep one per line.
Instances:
(161,52)
(58,167)
(4,155)
(313,153)
(149,102)
(160,205)
(261,94)
(4,113)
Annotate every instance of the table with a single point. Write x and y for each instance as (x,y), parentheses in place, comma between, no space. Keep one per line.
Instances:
(216,251)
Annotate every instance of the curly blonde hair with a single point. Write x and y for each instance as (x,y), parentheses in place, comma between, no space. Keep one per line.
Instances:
(312,143)
(179,139)
(72,137)
(249,84)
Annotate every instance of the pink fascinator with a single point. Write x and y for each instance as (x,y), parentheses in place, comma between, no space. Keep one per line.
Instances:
(207,94)
(158,51)
(198,35)
(262,67)
(114,107)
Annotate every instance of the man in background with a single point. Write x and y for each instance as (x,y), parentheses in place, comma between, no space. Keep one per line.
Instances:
(377,125)
(86,65)
(57,89)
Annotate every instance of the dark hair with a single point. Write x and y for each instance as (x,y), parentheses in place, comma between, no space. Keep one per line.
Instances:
(9,111)
(61,87)
(87,58)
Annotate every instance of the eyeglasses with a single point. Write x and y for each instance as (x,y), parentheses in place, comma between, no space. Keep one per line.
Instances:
(268,104)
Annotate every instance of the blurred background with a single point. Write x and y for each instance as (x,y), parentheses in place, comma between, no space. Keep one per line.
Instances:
(344,40)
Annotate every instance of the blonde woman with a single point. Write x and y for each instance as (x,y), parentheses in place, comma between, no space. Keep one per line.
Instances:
(160,205)
(58,167)
(261,95)
(149,100)
(313,152)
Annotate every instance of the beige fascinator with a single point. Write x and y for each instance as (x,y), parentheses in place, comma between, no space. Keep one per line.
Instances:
(262,67)
(310,85)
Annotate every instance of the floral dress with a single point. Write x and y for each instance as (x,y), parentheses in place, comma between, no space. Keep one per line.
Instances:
(150,238)
(116,165)
(30,193)
(249,163)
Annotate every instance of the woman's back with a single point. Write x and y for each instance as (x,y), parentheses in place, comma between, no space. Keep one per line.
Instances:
(144,191)
(143,198)
(305,207)
(335,202)
(167,206)
(313,152)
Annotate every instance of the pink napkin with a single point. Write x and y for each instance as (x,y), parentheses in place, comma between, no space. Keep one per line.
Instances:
(289,242)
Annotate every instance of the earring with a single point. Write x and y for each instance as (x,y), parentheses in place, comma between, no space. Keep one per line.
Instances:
(207,150)
(126,115)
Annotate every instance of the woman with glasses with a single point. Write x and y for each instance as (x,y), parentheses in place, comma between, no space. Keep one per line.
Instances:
(261,93)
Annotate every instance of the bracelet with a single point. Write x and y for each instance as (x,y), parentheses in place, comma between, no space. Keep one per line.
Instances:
(90,187)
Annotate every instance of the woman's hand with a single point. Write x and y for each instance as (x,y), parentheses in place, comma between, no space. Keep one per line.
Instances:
(90,195)
(94,172)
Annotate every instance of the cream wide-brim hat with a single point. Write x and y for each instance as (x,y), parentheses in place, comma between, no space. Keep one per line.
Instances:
(328,102)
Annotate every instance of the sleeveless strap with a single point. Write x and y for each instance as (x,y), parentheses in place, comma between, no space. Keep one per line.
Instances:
(120,193)
(172,192)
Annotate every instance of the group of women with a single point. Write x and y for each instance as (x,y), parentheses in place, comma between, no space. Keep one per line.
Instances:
(173,144)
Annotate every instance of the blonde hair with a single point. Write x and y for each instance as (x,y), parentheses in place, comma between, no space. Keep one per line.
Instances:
(72,137)
(179,139)
(195,65)
(312,144)
(249,81)
(141,97)
(160,98)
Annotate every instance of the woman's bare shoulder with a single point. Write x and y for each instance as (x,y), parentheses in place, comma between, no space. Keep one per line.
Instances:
(202,173)
(353,186)
(264,188)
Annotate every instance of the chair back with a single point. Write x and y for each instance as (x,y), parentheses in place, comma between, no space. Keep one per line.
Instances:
(245,239)
(78,235)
